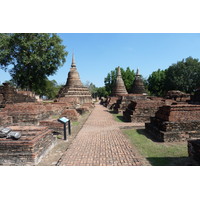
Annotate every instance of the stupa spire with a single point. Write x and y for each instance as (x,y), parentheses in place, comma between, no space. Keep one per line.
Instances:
(138,85)
(119,88)
(137,72)
(118,71)
(73,61)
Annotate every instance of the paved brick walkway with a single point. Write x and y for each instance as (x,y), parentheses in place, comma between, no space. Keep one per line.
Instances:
(100,143)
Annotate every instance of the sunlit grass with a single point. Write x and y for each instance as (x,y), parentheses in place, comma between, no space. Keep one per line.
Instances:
(157,153)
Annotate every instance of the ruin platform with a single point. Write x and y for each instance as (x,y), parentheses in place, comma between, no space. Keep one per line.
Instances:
(142,110)
(175,123)
(33,145)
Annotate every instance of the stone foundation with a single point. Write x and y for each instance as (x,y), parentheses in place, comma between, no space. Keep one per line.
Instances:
(5,119)
(9,94)
(53,125)
(34,143)
(110,102)
(32,113)
(175,123)
(123,102)
(86,107)
(142,110)
(71,114)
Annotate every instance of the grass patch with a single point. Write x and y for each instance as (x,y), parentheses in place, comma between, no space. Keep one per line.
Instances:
(75,123)
(118,117)
(158,154)
(55,116)
(48,101)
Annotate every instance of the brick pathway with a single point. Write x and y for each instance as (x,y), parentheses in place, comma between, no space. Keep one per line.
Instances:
(100,143)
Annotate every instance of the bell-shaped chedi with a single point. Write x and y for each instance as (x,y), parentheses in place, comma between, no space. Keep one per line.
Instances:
(73,79)
(119,88)
(138,85)
(73,90)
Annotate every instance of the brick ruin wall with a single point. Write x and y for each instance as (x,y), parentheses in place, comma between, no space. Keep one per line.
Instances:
(175,123)
(179,113)
(9,94)
(75,100)
(125,100)
(142,110)
(33,145)
(110,101)
(71,114)
(5,119)
(32,113)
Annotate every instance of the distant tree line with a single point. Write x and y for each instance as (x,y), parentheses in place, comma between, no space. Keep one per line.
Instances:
(183,76)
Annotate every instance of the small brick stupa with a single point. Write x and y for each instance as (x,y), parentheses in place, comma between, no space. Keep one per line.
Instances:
(74,91)
(119,88)
(138,85)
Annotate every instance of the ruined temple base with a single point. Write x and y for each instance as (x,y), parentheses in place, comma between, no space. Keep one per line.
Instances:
(140,111)
(175,123)
(177,134)
(123,102)
(33,145)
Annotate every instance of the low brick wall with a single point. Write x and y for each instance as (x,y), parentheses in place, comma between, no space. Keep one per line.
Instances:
(74,100)
(54,125)
(34,143)
(71,114)
(122,103)
(175,123)
(110,101)
(10,94)
(142,110)
(32,113)
(178,113)
(5,119)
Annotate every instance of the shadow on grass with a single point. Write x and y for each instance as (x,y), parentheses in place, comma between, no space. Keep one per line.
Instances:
(111,111)
(118,116)
(145,133)
(172,161)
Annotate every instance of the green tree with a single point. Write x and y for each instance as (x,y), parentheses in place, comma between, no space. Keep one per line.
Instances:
(49,89)
(127,76)
(183,76)
(156,83)
(101,92)
(92,88)
(33,57)
(110,81)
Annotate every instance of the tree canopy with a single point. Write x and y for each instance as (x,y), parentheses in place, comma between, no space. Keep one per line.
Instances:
(32,56)
(156,83)
(183,76)
(49,89)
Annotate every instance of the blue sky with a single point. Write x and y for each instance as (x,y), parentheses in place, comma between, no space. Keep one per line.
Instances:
(96,54)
